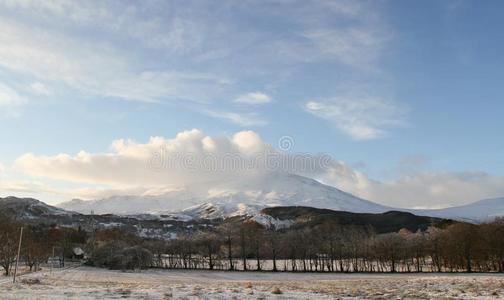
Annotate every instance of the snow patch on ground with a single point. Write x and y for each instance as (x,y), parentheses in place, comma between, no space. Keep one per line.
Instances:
(92,283)
(271,222)
(158,233)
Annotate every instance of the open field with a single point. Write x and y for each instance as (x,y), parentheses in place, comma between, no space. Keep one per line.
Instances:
(92,283)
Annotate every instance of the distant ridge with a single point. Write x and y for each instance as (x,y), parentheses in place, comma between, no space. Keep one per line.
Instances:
(479,211)
(29,208)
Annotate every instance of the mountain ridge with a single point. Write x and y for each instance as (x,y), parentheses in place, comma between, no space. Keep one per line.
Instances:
(30,208)
(36,213)
(250,196)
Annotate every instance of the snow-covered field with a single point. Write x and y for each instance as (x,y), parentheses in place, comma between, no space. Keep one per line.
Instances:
(92,283)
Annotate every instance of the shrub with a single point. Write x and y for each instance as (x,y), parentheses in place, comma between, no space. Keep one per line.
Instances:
(118,257)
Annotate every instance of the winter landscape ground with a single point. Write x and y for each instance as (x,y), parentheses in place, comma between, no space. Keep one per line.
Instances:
(94,283)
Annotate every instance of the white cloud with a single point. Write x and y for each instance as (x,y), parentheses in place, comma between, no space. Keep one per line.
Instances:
(10,100)
(9,97)
(187,159)
(194,160)
(254,98)
(361,118)
(39,88)
(242,119)
(431,189)
(152,164)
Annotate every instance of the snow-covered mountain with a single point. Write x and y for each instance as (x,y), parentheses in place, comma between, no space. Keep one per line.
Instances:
(483,210)
(235,197)
(249,195)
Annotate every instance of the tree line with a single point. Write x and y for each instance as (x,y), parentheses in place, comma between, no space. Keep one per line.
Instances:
(38,243)
(326,247)
(460,247)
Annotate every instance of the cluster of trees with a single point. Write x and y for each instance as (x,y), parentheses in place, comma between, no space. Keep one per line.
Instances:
(38,243)
(117,249)
(324,248)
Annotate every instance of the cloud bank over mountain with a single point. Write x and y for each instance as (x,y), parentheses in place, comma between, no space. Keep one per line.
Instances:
(193,159)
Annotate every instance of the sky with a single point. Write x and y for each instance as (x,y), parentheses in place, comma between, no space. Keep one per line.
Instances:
(404,96)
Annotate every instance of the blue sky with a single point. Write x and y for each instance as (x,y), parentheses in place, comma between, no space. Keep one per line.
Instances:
(407,93)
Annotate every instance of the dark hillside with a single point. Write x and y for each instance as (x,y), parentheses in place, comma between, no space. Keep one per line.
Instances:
(391,221)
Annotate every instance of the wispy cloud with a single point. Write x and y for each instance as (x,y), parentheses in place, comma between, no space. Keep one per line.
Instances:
(9,97)
(354,46)
(360,118)
(160,52)
(39,88)
(155,25)
(254,98)
(97,69)
(10,101)
(242,119)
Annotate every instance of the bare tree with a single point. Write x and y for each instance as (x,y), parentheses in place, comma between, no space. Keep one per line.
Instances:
(228,232)
(273,244)
(9,235)
(493,236)
(36,249)
(209,245)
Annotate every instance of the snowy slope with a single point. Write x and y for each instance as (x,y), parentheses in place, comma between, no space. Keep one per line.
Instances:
(248,195)
(484,210)
(132,205)
(235,197)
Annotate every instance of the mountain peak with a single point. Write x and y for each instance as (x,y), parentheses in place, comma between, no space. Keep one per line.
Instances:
(235,197)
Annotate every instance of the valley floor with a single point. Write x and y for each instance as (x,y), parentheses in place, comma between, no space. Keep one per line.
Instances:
(92,283)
